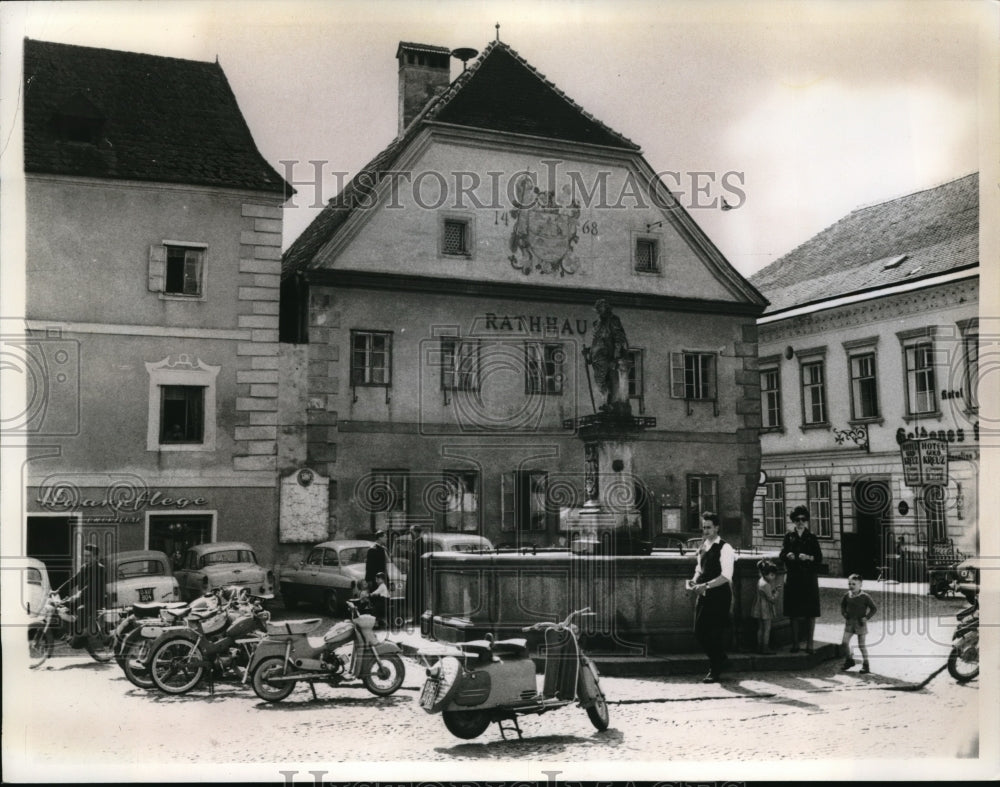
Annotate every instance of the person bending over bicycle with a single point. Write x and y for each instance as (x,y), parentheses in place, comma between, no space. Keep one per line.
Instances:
(86,591)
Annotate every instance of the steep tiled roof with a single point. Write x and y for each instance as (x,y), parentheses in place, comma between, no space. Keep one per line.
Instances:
(154,118)
(934,231)
(501,91)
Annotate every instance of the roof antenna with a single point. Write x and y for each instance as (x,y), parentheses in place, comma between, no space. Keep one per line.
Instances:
(464,54)
(498,30)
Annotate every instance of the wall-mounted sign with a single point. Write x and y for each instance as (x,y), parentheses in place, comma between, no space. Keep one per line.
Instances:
(924,462)
(904,508)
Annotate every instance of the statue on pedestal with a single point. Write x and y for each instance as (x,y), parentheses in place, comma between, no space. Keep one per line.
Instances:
(608,355)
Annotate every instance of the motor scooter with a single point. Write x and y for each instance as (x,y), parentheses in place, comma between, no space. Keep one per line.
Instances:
(293,651)
(963,661)
(487,681)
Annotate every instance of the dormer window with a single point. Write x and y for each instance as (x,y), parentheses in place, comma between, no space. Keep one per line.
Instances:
(79,120)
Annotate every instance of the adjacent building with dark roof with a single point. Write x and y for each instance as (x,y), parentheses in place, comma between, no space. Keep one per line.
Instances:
(441,303)
(871,341)
(153,266)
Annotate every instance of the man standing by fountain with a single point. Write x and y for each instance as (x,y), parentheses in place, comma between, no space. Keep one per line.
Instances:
(713,583)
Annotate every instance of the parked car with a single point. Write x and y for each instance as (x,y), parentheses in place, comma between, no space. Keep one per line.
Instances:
(222,564)
(332,573)
(35,585)
(402,549)
(140,575)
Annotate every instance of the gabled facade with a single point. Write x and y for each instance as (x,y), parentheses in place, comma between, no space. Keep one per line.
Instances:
(153,267)
(871,340)
(440,305)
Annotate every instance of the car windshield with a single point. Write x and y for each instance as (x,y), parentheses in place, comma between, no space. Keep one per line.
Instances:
(353,555)
(228,556)
(141,568)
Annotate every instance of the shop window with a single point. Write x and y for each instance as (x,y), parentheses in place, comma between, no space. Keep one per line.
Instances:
(647,255)
(864,386)
(703,495)
(460,364)
(174,534)
(387,496)
(181,405)
(693,376)
(770,396)
(635,379)
(371,358)
(462,503)
(543,368)
(182,414)
(774,508)
(813,375)
(818,501)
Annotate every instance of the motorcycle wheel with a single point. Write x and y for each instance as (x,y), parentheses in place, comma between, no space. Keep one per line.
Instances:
(270,692)
(466,724)
(385,680)
(136,653)
(100,644)
(170,665)
(40,646)
(963,662)
(598,712)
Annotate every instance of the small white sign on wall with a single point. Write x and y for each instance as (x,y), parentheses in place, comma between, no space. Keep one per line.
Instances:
(304,507)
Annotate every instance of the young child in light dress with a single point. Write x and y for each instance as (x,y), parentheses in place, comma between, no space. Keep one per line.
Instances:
(764,606)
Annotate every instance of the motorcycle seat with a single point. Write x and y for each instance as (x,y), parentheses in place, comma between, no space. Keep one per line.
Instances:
(279,627)
(479,649)
(511,648)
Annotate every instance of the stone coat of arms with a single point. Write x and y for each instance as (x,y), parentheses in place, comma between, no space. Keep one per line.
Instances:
(544,231)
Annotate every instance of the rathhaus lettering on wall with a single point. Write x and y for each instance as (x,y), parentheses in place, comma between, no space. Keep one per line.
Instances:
(548,325)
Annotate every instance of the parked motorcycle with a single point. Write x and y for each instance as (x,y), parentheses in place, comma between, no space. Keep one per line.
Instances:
(291,653)
(134,634)
(215,642)
(487,681)
(963,661)
(55,625)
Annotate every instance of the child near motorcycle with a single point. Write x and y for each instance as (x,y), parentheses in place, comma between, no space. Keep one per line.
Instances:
(379,598)
(857,608)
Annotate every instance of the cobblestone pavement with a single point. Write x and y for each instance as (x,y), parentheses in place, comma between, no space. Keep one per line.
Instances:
(74,712)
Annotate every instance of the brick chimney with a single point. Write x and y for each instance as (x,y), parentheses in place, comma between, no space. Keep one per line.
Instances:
(424,71)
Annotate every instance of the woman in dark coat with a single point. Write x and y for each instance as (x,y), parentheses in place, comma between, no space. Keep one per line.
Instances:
(802,557)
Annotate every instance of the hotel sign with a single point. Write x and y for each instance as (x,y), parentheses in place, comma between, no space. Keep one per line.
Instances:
(924,462)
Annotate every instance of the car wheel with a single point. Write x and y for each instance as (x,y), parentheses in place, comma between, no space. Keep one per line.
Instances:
(332,603)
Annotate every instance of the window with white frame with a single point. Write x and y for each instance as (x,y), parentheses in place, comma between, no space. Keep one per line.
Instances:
(371,358)
(462,503)
(543,368)
(770,398)
(813,374)
(818,501)
(635,381)
(864,386)
(774,508)
(703,495)
(921,386)
(460,363)
(387,495)
(693,376)
(181,415)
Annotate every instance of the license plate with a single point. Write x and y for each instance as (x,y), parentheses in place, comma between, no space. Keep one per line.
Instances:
(429,694)
(145,594)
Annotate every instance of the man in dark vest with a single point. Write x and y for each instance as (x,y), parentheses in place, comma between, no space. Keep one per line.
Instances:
(713,584)
(376,560)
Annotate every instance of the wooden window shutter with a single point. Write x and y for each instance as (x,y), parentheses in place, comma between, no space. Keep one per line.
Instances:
(713,365)
(676,375)
(508,516)
(157,275)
